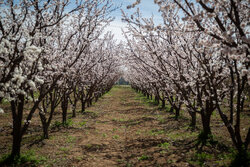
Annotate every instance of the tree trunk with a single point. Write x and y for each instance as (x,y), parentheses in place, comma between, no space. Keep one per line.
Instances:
(45,131)
(64,106)
(47,124)
(177,113)
(205,117)
(17,114)
(83,105)
(157,100)
(193,120)
(88,103)
(74,108)
(171,109)
(74,111)
(163,105)
(44,125)
(16,146)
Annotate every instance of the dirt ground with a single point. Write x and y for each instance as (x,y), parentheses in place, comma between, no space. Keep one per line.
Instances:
(121,129)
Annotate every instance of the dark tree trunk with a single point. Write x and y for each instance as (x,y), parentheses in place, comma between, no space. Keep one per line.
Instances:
(157,100)
(17,114)
(88,103)
(177,113)
(205,117)
(193,120)
(46,131)
(171,109)
(83,105)
(163,105)
(44,125)
(74,111)
(64,106)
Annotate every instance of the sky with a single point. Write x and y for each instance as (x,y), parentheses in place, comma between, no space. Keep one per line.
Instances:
(147,8)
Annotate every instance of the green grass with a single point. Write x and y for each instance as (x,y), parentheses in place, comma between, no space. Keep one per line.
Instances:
(28,158)
(83,123)
(116,137)
(155,132)
(68,123)
(178,136)
(200,158)
(164,145)
(92,113)
(161,119)
(71,139)
(138,132)
(64,149)
(143,157)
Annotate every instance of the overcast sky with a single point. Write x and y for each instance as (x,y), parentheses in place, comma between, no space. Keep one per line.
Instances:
(147,8)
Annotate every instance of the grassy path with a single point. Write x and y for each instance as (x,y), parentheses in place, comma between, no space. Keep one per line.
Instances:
(124,131)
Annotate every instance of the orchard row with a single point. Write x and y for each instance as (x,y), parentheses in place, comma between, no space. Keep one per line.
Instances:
(198,59)
(51,53)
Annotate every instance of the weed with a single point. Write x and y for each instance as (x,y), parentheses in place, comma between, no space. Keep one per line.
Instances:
(122,120)
(92,113)
(164,145)
(120,161)
(128,164)
(138,132)
(64,149)
(115,137)
(68,123)
(162,120)
(200,158)
(225,158)
(170,161)
(143,157)
(104,135)
(176,135)
(71,139)
(83,123)
(79,158)
(155,132)
(57,124)
(163,152)
(206,139)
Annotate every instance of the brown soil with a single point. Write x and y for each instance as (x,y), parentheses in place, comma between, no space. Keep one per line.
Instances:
(121,130)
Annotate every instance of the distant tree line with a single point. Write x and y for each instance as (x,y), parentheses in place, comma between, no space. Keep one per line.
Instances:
(122,81)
